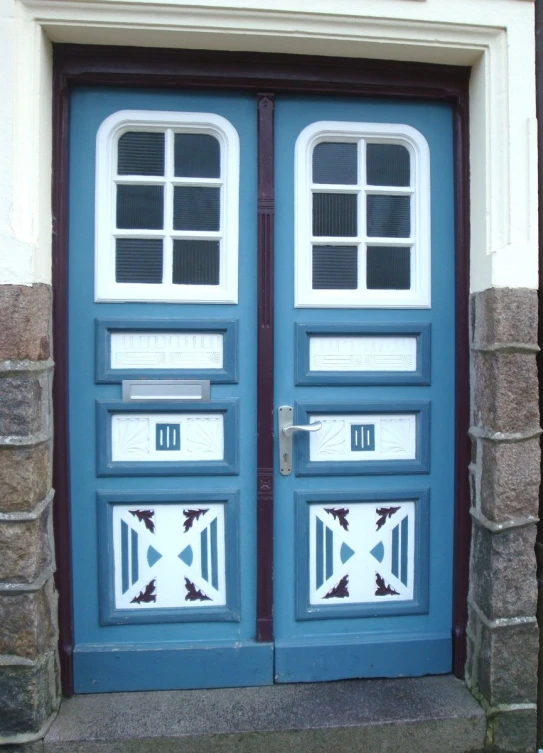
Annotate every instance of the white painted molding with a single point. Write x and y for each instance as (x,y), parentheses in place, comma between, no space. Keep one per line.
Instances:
(494,37)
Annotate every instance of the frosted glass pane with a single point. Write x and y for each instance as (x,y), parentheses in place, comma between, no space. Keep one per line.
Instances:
(387,165)
(389,216)
(196,208)
(196,262)
(141,154)
(388,268)
(335,163)
(197,155)
(138,260)
(140,207)
(334,214)
(335,267)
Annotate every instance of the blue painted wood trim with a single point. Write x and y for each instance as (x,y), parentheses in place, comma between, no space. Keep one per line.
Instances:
(110,615)
(226,327)
(419,603)
(229,466)
(421,375)
(167,666)
(303,466)
(382,655)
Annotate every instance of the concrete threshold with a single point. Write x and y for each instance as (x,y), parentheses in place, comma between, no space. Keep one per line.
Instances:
(422,715)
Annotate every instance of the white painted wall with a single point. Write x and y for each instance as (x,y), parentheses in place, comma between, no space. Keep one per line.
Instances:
(494,36)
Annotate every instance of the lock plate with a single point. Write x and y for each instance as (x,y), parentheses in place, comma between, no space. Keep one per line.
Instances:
(285,415)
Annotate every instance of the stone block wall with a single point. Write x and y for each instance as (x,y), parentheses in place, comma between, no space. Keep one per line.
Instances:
(29,685)
(503,635)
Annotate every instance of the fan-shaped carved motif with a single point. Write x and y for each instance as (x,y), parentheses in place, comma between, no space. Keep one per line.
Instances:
(396,436)
(331,438)
(133,436)
(203,436)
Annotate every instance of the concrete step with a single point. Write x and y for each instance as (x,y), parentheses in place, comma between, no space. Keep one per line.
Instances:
(426,715)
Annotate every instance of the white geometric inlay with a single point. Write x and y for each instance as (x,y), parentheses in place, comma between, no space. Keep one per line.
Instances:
(362,353)
(169,556)
(170,437)
(159,350)
(361,552)
(363,437)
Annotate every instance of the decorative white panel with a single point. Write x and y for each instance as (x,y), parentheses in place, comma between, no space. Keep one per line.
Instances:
(361,552)
(169,556)
(158,350)
(362,353)
(363,437)
(172,437)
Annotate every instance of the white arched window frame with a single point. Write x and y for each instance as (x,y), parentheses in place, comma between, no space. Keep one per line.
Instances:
(106,233)
(418,296)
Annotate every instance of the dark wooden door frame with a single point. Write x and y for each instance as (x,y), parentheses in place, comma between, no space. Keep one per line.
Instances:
(272,74)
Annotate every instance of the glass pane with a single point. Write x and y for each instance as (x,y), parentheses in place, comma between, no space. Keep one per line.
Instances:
(335,267)
(388,268)
(389,216)
(141,154)
(196,262)
(138,260)
(196,208)
(335,163)
(387,165)
(197,155)
(334,214)
(140,207)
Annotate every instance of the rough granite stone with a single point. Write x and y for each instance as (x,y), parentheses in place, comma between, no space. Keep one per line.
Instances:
(36,747)
(508,664)
(28,622)
(25,404)
(26,549)
(504,315)
(25,313)
(510,476)
(506,391)
(25,477)
(27,696)
(515,731)
(503,572)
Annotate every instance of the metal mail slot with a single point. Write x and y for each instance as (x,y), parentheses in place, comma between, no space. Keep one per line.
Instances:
(166,390)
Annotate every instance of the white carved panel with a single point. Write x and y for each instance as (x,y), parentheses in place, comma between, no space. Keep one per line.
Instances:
(362,353)
(174,437)
(361,552)
(363,437)
(159,350)
(169,556)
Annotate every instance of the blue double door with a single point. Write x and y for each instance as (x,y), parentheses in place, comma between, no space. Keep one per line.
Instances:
(163,390)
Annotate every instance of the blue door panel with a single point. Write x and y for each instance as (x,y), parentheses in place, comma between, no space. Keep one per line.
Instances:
(383,642)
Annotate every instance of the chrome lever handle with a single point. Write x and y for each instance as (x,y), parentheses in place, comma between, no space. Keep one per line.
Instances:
(288,431)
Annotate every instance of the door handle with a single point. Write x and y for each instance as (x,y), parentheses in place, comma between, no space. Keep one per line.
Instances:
(286,430)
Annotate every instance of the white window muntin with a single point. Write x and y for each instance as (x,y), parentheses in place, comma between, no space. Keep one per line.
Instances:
(418,296)
(107,179)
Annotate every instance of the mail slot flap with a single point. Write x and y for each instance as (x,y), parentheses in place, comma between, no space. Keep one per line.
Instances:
(166,390)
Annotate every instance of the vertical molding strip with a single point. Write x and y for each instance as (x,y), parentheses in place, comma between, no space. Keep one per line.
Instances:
(265,415)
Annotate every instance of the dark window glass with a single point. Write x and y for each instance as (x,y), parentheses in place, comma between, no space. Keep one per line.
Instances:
(197,155)
(196,262)
(334,214)
(196,208)
(335,163)
(335,267)
(141,154)
(388,268)
(389,216)
(387,165)
(138,260)
(140,207)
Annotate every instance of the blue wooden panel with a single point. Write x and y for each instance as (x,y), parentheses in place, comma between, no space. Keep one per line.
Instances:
(421,331)
(104,328)
(171,666)
(229,466)
(110,614)
(306,467)
(417,605)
